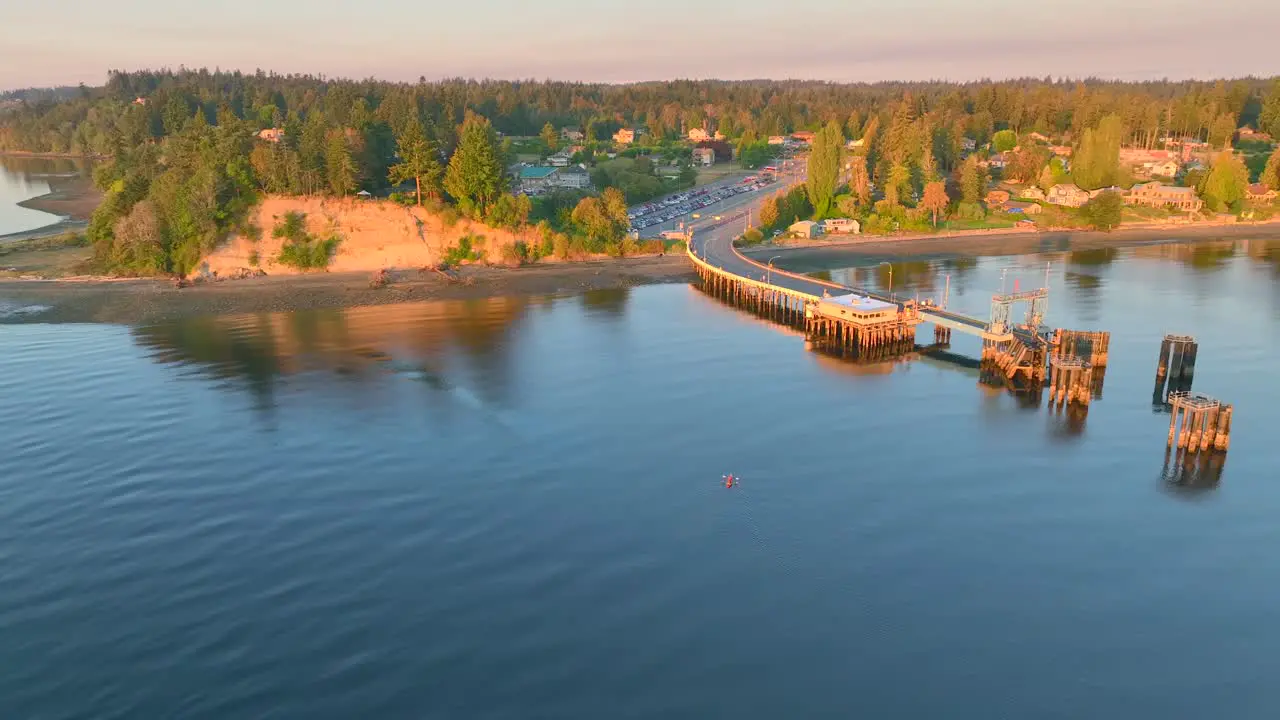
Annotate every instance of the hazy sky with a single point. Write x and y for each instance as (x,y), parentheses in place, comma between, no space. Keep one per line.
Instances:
(68,41)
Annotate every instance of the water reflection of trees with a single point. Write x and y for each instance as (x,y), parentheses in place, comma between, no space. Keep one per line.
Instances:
(1204,256)
(30,168)
(357,345)
(611,302)
(1264,252)
(1095,257)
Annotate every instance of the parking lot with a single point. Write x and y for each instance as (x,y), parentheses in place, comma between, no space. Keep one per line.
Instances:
(691,202)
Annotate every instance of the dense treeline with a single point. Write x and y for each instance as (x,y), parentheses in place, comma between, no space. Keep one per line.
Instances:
(185,163)
(89,121)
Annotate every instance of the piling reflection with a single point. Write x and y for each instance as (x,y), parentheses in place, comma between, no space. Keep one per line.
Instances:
(432,341)
(1067,422)
(1192,474)
(864,367)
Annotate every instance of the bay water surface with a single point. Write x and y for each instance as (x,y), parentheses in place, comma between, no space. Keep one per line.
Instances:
(513,508)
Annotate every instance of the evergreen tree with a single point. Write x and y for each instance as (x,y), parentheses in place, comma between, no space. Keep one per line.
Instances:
(824,168)
(1223,131)
(1271,174)
(928,167)
(476,175)
(860,181)
(1269,115)
(1096,162)
(899,179)
(419,161)
(311,150)
(973,181)
(340,164)
(1226,183)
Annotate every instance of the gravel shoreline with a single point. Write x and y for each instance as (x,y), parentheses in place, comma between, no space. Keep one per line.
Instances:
(134,302)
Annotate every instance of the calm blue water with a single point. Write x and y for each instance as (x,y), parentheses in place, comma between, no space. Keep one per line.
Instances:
(513,509)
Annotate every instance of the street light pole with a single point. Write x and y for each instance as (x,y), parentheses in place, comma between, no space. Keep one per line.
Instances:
(890,277)
(775,257)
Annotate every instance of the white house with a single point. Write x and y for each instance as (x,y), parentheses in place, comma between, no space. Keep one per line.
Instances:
(842,226)
(806,229)
(575,177)
(1067,194)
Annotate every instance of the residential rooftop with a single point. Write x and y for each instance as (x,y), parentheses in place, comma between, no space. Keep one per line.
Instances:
(536,172)
(860,303)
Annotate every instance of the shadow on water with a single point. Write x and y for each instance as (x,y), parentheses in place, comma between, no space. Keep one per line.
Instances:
(358,346)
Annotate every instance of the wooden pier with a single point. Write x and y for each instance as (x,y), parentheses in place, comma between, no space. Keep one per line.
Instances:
(786,307)
(862,327)
(1023,357)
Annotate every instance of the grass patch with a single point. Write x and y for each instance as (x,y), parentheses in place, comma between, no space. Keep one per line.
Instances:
(53,242)
(991,223)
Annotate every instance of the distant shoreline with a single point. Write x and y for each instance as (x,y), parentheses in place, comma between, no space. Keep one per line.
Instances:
(52,155)
(818,254)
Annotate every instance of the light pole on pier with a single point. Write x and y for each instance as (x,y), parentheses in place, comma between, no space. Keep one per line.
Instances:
(770,279)
(890,278)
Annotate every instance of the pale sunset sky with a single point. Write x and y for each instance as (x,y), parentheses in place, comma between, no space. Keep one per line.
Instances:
(55,42)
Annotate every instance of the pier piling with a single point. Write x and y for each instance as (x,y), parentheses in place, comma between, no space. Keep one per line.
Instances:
(1198,423)
(1175,368)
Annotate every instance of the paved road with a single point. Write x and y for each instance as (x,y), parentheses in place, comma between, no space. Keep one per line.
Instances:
(713,242)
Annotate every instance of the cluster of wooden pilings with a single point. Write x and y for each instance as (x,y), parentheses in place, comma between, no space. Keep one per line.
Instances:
(1070,381)
(1176,368)
(1088,345)
(1205,422)
(1013,363)
(767,302)
(941,335)
(870,342)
